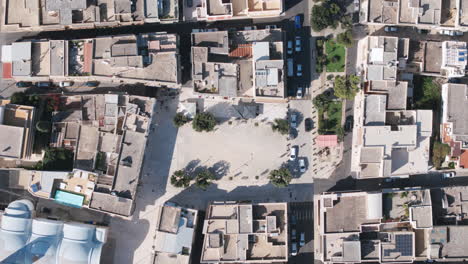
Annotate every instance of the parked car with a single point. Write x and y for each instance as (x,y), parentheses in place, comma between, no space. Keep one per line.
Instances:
(293,120)
(356,5)
(290,47)
(349,123)
(24,84)
(293,235)
(290,67)
(298,44)
(423,31)
(65,84)
(293,220)
(299,70)
(302,241)
(43,84)
(250,28)
(92,83)
(293,249)
(293,153)
(299,92)
(298,22)
(308,124)
(302,167)
(458,33)
(447,32)
(390,29)
(271,27)
(449,174)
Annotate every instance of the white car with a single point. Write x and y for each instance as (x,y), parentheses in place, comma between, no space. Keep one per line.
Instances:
(302,166)
(293,249)
(250,28)
(65,84)
(293,153)
(290,47)
(302,241)
(294,120)
(449,174)
(299,70)
(299,92)
(390,29)
(298,44)
(447,32)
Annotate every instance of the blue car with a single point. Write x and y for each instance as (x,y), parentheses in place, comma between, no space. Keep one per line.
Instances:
(298,22)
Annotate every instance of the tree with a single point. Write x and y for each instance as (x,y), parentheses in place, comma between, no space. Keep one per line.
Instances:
(281,125)
(326,14)
(321,102)
(281,177)
(43,126)
(339,131)
(204,122)
(56,159)
(180,179)
(180,120)
(18,98)
(439,152)
(345,38)
(346,87)
(204,179)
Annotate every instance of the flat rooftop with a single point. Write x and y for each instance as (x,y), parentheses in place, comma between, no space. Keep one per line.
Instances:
(347,214)
(382,11)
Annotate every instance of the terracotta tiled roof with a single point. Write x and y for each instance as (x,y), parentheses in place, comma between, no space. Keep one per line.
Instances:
(88,56)
(6,74)
(327,140)
(464,159)
(242,51)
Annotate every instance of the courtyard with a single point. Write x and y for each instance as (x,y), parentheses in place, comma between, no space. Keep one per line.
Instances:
(241,153)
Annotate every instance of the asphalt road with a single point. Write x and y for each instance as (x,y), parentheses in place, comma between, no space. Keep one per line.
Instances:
(301,220)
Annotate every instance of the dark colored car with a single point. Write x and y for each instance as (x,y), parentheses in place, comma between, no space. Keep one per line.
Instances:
(349,123)
(23,84)
(308,124)
(44,84)
(298,21)
(92,83)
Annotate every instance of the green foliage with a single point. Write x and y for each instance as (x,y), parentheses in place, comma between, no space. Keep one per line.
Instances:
(180,179)
(427,93)
(451,165)
(347,22)
(281,125)
(345,38)
(439,152)
(43,126)
(21,98)
(335,58)
(204,122)
(346,87)
(204,179)
(281,177)
(56,159)
(321,102)
(325,15)
(180,120)
(339,131)
(404,195)
(329,118)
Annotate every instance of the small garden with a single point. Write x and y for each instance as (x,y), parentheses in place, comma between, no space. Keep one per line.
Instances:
(329,115)
(335,53)
(330,118)
(330,54)
(427,93)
